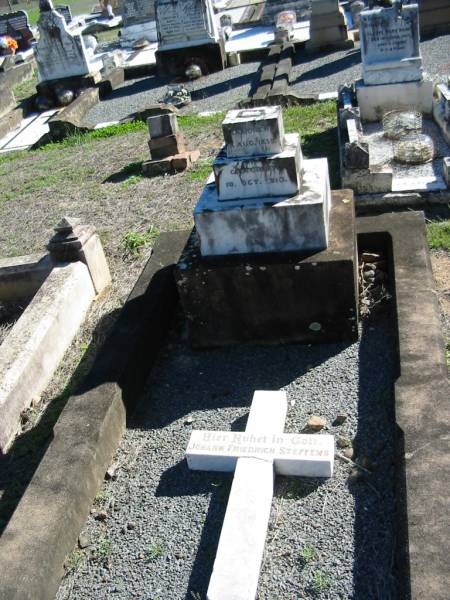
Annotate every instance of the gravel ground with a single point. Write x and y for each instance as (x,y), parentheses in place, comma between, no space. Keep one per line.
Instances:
(221,91)
(154,530)
(327,71)
(218,91)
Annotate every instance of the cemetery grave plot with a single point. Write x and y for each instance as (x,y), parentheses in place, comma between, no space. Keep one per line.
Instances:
(155,527)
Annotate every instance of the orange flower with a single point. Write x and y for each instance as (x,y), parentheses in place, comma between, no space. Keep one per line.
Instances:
(12,44)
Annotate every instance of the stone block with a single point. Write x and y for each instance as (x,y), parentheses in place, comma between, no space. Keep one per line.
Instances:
(71,120)
(162,126)
(253,132)
(93,255)
(375,100)
(324,7)
(22,276)
(153,168)
(264,225)
(38,341)
(446,165)
(274,298)
(183,161)
(266,176)
(166,146)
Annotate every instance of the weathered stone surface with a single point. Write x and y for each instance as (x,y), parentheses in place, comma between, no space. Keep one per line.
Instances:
(22,276)
(356,155)
(166,146)
(266,176)
(254,131)
(60,51)
(37,342)
(390,45)
(184,23)
(328,27)
(71,119)
(315,287)
(289,224)
(422,410)
(162,125)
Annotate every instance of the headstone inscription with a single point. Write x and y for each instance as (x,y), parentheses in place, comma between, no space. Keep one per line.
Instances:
(262,184)
(390,48)
(254,456)
(61,52)
(188,32)
(138,21)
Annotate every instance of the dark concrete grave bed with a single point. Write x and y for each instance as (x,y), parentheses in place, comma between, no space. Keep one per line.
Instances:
(56,504)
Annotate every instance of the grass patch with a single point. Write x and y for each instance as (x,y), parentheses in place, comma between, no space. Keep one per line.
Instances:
(103,549)
(155,550)
(322,581)
(200,171)
(134,241)
(308,553)
(101,497)
(194,125)
(438,235)
(75,560)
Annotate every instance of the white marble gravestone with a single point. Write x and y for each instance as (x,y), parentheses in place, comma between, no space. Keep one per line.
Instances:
(390,45)
(263,197)
(60,51)
(184,23)
(255,456)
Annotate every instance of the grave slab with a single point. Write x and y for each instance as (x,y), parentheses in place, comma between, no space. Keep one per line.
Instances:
(275,297)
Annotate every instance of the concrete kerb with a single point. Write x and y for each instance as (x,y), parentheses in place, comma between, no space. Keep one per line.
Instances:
(56,503)
(422,409)
(47,521)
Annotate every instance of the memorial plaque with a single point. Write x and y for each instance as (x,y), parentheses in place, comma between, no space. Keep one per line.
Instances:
(302,455)
(390,45)
(268,176)
(182,23)
(253,132)
(135,12)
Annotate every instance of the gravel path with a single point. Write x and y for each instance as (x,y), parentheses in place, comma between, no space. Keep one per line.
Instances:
(221,91)
(327,71)
(157,536)
(218,91)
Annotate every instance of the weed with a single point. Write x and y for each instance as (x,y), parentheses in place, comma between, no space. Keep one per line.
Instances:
(201,171)
(103,549)
(101,497)
(134,241)
(155,550)
(75,560)
(132,180)
(308,553)
(322,581)
(438,234)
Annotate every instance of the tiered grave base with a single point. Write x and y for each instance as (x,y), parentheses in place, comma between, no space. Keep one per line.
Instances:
(274,297)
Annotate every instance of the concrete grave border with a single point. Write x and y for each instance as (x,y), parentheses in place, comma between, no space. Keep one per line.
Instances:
(53,509)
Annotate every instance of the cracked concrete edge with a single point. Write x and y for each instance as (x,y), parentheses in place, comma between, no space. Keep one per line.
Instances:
(47,521)
(422,411)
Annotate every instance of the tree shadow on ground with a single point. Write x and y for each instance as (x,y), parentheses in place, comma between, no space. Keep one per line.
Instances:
(351,59)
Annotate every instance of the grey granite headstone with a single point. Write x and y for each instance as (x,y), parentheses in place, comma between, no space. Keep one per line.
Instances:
(390,45)
(183,23)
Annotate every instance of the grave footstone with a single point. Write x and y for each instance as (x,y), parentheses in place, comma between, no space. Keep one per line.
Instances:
(61,52)
(328,26)
(188,33)
(167,147)
(392,63)
(138,21)
(264,236)
(255,456)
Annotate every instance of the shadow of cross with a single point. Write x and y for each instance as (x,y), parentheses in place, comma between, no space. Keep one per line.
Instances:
(254,456)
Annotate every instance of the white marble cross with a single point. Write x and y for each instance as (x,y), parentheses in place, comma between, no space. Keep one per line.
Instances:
(254,456)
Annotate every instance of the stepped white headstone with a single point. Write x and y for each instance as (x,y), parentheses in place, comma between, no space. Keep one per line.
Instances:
(254,456)
(263,197)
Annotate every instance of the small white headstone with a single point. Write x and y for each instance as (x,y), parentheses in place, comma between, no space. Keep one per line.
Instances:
(184,23)
(390,45)
(253,132)
(254,456)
